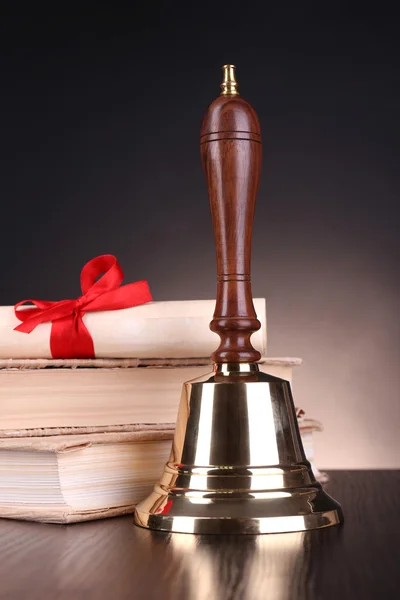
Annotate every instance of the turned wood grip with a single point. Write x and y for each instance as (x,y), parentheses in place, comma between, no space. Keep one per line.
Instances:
(230,144)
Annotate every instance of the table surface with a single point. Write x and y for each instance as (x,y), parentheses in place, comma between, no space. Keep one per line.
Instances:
(113,559)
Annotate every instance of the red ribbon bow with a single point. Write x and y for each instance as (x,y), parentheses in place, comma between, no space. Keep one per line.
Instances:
(69,336)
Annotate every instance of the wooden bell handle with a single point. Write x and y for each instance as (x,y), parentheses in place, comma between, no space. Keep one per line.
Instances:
(230,144)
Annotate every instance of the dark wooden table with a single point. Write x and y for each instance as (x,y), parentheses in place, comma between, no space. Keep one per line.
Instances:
(113,559)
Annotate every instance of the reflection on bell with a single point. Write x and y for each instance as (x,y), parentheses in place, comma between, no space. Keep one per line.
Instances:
(237,463)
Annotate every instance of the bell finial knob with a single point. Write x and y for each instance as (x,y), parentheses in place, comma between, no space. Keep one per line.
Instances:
(229,85)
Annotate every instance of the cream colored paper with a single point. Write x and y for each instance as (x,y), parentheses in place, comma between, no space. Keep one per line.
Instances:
(175,329)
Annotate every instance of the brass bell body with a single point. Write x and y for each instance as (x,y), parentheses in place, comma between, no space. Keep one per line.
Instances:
(237,464)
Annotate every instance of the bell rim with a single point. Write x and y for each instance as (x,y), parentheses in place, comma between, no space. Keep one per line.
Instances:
(323,512)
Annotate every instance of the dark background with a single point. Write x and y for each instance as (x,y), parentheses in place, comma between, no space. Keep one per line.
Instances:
(100,120)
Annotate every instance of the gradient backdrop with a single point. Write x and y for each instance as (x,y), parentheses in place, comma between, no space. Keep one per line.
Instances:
(100,122)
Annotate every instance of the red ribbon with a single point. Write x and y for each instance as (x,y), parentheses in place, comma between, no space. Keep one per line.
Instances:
(69,336)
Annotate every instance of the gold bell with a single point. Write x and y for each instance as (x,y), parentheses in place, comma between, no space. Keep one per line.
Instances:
(237,463)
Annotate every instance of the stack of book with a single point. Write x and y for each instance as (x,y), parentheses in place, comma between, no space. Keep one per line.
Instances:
(86,439)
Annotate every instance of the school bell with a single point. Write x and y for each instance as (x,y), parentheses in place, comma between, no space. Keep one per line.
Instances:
(237,463)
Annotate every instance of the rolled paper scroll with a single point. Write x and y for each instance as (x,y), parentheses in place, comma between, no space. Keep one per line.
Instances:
(175,329)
